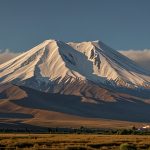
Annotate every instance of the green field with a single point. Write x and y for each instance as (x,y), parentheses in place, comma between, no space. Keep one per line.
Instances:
(74,142)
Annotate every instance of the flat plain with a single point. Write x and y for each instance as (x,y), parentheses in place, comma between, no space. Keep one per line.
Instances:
(72,141)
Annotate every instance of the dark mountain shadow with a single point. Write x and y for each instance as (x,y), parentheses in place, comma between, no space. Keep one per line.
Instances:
(20,127)
(2,96)
(125,110)
(138,92)
(15,116)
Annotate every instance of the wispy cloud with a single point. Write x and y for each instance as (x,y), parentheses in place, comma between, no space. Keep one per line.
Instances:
(6,55)
(141,57)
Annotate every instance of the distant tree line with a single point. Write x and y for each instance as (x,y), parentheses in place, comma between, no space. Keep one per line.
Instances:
(81,130)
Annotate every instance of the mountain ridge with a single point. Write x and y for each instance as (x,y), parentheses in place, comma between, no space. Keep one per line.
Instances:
(94,61)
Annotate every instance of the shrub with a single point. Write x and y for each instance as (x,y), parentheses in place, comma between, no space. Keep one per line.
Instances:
(104,148)
(76,148)
(36,146)
(24,145)
(95,145)
(126,146)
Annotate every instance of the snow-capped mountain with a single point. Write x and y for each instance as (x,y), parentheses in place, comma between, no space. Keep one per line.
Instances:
(57,83)
(53,64)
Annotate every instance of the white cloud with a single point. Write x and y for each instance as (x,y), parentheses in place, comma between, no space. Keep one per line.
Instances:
(5,50)
(6,55)
(141,57)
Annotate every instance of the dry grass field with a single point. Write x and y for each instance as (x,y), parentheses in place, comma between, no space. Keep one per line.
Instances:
(73,142)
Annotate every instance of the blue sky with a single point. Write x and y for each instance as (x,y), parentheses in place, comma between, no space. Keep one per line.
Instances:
(121,24)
